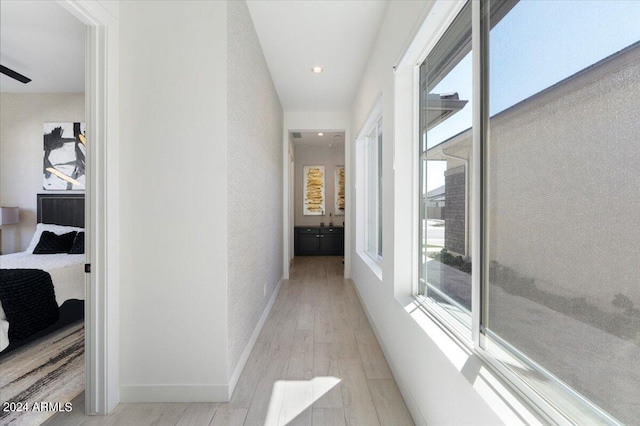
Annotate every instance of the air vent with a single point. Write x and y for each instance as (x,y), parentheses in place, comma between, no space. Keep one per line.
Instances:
(296,135)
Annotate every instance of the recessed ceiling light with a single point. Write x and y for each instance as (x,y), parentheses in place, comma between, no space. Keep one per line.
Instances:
(320,134)
(317,70)
(330,145)
(337,136)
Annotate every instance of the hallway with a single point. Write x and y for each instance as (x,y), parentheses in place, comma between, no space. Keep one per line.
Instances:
(318,330)
(316,362)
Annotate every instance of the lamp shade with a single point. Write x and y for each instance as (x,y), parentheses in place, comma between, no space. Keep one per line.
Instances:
(9,215)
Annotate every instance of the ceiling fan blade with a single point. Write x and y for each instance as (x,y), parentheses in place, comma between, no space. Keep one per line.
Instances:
(16,76)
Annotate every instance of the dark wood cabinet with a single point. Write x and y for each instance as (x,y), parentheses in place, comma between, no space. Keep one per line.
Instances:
(318,241)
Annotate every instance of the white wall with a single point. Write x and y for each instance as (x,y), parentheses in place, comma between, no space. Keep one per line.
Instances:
(255,176)
(330,158)
(441,382)
(173,202)
(21,153)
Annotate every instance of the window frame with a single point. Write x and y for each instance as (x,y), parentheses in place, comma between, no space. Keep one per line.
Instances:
(452,314)
(369,148)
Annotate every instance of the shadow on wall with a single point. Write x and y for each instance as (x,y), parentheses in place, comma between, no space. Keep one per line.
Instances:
(624,324)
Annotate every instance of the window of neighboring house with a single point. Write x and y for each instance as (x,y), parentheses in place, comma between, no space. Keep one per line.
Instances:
(547,290)
(373,191)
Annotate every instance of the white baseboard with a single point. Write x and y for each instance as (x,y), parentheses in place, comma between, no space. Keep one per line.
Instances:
(174,393)
(198,393)
(233,381)
(404,390)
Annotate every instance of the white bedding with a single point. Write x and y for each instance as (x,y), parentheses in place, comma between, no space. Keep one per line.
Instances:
(67,275)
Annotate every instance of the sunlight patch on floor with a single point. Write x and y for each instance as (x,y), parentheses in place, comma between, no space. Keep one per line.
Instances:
(289,398)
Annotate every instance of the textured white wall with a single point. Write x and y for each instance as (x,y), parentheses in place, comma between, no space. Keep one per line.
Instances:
(173,175)
(330,158)
(21,151)
(254,182)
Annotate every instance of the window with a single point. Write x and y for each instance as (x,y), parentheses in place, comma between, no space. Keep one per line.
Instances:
(369,191)
(445,111)
(533,259)
(373,191)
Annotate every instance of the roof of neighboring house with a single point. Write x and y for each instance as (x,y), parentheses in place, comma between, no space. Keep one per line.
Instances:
(439,191)
(442,106)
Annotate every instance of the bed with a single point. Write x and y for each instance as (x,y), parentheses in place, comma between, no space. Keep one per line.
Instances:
(59,214)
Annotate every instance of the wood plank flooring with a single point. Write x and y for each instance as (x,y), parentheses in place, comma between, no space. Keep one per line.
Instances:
(316,362)
(50,369)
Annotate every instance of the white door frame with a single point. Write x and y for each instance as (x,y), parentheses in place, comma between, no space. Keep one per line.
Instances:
(102,203)
(333,124)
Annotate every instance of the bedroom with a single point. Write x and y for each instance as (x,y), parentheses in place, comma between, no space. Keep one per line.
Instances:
(42,119)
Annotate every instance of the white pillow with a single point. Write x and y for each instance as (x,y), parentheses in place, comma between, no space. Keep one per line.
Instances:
(56,229)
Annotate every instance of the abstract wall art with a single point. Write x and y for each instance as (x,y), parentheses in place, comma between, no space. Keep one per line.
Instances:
(339,191)
(313,187)
(65,148)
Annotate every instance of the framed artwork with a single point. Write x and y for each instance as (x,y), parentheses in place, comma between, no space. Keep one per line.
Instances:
(65,148)
(313,187)
(339,191)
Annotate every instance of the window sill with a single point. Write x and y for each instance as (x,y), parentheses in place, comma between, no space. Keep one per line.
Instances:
(507,393)
(507,404)
(374,265)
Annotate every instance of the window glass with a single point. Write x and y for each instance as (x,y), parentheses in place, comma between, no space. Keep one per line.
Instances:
(379,231)
(373,191)
(445,117)
(562,216)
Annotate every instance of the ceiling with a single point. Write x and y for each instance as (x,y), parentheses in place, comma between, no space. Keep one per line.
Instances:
(44,42)
(335,139)
(298,35)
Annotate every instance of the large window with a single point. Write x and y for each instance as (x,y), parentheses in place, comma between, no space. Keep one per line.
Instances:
(548,290)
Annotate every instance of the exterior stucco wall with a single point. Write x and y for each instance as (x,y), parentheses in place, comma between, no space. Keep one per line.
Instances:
(564,193)
(454,211)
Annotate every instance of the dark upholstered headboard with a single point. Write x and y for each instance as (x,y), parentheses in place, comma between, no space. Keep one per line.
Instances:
(61,209)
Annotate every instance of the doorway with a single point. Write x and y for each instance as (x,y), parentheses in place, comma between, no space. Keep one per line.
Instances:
(44,142)
(317,188)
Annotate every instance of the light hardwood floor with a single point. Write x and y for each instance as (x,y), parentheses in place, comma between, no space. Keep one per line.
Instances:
(316,362)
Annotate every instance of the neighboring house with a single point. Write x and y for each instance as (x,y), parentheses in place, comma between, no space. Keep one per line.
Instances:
(528,132)
(435,197)
(435,202)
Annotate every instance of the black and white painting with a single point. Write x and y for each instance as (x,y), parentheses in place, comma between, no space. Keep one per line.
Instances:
(65,147)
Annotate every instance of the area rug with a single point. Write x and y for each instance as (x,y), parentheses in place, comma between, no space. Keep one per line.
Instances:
(40,379)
